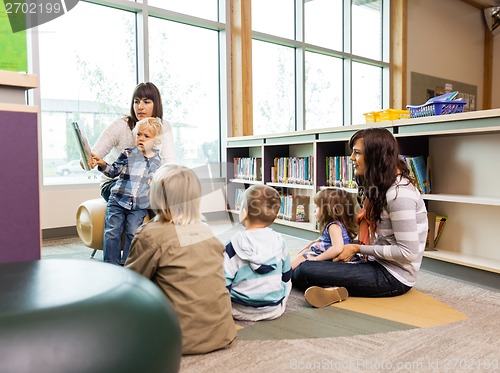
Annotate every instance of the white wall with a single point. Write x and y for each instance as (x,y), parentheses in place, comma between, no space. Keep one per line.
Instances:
(58,205)
(446,40)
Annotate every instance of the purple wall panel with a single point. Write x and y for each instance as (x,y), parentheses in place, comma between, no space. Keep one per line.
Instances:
(19,187)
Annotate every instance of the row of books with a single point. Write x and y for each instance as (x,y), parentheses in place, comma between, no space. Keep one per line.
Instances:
(293,207)
(248,168)
(420,170)
(293,170)
(340,172)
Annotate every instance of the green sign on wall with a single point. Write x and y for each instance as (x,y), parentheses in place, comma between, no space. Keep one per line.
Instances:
(13,46)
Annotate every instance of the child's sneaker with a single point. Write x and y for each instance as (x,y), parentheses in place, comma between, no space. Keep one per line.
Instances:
(317,296)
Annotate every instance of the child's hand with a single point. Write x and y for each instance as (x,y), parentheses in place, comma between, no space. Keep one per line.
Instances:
(97,161)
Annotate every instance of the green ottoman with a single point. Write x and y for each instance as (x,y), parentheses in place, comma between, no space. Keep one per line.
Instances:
(76,316)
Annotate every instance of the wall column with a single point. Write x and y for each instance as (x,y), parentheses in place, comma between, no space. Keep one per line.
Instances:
(241,67)
(398,44)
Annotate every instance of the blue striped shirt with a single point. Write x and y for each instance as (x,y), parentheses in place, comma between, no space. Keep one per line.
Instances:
(257,268)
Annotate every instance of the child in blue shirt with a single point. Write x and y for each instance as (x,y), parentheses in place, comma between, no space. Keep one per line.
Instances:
(335,215)
(129,199)
(256,261)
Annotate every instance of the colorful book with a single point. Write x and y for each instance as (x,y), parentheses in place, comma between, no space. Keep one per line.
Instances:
(83,146)
(420,171)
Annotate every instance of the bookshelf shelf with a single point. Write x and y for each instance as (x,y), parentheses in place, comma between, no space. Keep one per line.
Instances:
(465,260)
(349,190)
(488,201)
(462,149)
(245,181)
(299,225)
(293,186)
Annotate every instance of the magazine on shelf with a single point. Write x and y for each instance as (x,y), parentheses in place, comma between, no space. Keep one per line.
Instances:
(83,146)
(435,230)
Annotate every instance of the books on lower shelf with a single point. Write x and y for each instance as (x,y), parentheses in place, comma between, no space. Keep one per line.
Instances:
(248,168)
(435,230)
(293,170)
(294,208)
(238,198)
(420,170)
(340,172)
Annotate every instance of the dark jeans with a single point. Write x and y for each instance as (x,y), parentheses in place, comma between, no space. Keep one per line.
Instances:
(369,279)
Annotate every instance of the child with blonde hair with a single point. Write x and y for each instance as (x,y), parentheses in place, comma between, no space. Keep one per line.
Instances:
(256,260)
(129,198)
(179,253)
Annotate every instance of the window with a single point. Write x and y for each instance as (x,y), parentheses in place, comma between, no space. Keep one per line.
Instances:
(366,94)
(323,91)
(184,64)
(87,74)
(199,8)
(323,21)
(338,61)
(367,28)
(274,17)
(273,88)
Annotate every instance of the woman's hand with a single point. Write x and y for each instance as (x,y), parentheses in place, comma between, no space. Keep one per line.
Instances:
(347,253)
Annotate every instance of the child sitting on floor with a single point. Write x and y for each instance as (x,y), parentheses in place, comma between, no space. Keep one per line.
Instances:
(180,254)
(337,224)
(256,261)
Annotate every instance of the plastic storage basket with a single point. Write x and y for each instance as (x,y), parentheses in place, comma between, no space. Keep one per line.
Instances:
(387,114)
(437,108)
(393,114)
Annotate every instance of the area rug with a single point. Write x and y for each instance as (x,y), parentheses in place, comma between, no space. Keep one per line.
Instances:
(355,316)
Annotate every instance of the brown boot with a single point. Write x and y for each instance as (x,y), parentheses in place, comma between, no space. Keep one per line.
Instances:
(317,296)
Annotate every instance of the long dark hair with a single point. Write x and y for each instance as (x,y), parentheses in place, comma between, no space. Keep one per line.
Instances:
(383,165)
(145,90)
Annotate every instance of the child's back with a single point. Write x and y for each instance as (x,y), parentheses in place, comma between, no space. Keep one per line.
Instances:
(185,261)
(257,263)
(180,254)
(256,260)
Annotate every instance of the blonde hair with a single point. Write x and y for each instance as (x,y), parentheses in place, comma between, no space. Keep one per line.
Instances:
(262,204)
(154,124)
(175,195)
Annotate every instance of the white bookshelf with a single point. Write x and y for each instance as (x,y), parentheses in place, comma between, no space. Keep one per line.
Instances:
(464,151)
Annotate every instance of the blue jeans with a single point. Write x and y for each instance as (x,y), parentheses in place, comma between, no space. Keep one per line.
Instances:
(369,279)
(118,222)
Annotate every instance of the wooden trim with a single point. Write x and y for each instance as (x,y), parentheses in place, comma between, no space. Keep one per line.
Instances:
(241,68)
(20,80)
(398,53)
(488,69)
(19,108)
